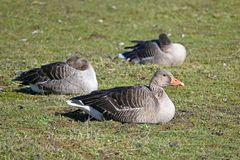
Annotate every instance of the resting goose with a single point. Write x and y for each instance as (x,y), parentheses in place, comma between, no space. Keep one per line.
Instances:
(75,76)
(132,104)
(160,51)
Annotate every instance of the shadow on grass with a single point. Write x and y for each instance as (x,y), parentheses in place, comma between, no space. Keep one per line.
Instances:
(77,115)
(81,116)
(28,90)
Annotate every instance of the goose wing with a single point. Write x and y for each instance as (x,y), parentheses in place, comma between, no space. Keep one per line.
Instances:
(144,52)
(138,43)
(53,71)
(120,99)
(58,70)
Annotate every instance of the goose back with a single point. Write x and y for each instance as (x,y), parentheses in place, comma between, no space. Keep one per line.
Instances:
(159,51)
(144,53)
(137,104)
(133,104)
(80,82)
(70,77)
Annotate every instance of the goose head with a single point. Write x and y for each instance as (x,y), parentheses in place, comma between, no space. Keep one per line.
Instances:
(163,78)
(77,63)
(164,40)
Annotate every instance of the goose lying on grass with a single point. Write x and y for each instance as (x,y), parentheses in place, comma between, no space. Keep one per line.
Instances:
(160,51)
(133,104)
(75,76)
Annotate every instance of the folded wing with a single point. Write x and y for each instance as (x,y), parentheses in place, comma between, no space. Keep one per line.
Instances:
(53,71)
(145,51)
(138,43)
(123,103)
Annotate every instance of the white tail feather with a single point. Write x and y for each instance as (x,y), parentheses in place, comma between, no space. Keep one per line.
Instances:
(121,56)
(88,109)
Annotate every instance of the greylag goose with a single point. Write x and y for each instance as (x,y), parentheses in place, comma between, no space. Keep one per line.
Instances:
(132,104)
(160,51)
(75,76)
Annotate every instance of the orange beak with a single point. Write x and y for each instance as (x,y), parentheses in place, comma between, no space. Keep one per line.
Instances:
(176,82)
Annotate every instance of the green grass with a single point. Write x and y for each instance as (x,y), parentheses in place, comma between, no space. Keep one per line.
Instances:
(206,125)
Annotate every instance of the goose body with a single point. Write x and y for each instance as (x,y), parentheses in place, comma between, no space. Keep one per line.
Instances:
(131,104)
(75,76)
(161,51)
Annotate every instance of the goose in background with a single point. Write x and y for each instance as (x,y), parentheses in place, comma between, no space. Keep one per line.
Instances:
(132,104)
(75,76)
(159,51)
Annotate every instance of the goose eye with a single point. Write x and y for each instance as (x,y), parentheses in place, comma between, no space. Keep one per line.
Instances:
(164,75)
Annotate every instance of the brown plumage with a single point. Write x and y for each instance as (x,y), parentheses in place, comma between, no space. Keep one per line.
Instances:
(136,104)
(160,51)
(61,77)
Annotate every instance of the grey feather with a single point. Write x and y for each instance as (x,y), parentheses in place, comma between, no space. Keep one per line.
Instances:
(73,76)
(135,104)
(160,51)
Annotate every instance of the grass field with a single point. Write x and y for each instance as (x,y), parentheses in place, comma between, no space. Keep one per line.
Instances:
(206,125)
